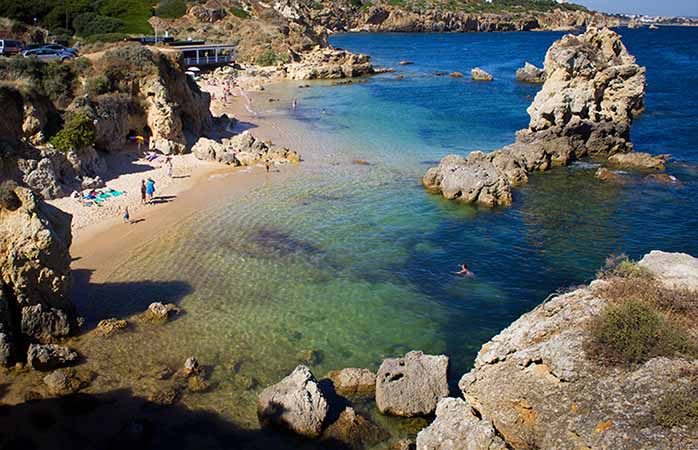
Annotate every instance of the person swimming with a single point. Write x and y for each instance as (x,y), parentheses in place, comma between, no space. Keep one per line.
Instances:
(464,271)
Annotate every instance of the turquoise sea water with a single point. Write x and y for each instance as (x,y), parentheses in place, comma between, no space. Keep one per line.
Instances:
(354,261)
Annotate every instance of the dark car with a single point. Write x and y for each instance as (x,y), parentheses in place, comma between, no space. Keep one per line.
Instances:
(59,47)
(9,47)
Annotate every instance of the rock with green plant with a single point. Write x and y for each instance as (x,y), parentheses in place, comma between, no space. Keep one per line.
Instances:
(601,366)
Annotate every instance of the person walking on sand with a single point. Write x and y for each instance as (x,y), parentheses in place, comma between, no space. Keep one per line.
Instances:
(150,189)
(294,105)
(127,217)
(267,165)
(143,192)
(168,163)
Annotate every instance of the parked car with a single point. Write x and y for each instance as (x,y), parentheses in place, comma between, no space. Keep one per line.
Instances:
(72,50)
(9,47)
(47,54)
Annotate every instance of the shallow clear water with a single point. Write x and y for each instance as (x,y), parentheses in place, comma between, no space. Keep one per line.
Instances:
(355,260)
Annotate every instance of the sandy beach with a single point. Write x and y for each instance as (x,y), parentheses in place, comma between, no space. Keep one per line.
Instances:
(99,233)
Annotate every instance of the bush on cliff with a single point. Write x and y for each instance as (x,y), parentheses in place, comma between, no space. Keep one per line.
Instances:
(633,331)
(78,132)
(89,24)
(171,9)
(679,407)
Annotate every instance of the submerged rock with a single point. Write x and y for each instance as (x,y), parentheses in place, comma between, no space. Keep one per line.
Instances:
(353,382)
(295,403)
(457,426)
(64,382)
(109,327)
(354,431)
(412,385)
(531,74)
(50,356)
(604,174)
(310,357)
(159,313)
(592,72)
(455,75)
(478,74)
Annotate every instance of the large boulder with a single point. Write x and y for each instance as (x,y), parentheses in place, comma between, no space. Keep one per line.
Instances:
(329,63)
(35,275)
(458,426)
(243,150)
(529,73)
(296,403)
(592,91)
(541,388)
(354,431)
(411,385)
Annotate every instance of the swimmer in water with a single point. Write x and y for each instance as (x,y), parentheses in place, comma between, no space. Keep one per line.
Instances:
(464,271)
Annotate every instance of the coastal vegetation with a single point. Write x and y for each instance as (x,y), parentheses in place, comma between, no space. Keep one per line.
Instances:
(78,132)
(643,319)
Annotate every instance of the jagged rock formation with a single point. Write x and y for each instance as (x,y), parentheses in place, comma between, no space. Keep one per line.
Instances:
(478,74)
(412,385)
(243,150)
(35,276)
(540,388)
(642,161)
(296,403)
(329,64)
(529,73)
(592,91)
(458,426)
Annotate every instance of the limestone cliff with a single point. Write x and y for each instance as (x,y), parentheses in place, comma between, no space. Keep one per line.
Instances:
(35,274)
(129,90)
(593,90)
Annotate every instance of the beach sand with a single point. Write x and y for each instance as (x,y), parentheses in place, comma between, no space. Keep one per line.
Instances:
(99,234)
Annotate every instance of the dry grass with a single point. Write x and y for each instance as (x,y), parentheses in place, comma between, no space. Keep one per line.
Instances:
(643,318)
(680,406)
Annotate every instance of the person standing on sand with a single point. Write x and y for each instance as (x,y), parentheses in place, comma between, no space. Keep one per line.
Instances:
(294,105)
(267,165)
(127,217)
(168,163)
(143,192)
(150,189)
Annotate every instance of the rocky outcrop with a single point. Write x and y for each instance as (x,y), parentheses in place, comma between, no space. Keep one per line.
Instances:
(243,150)
(354,431)
(353,382)
(641,161)
(296,403)
(411,385)
(35,275)
(593,89)
(458,426)
(478,74)
(329,64)
(540,387)
(531,74)
(49,356)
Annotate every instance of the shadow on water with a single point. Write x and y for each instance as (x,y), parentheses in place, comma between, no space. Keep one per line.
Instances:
(97,301)
(120,420)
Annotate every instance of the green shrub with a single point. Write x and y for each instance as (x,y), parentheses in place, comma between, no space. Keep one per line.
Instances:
(133,13)
(98,86)
(632,331)
(78,132)
(106,37)
(88,24)
(622,266)
(8,198)
(19,67)
(239,12)
(171,9)
(270,58)
(59,82)
(679,407)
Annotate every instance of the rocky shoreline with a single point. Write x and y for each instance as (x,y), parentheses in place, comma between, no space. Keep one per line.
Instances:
(592,91)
